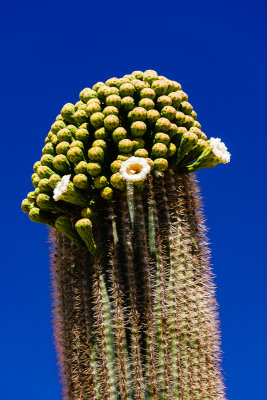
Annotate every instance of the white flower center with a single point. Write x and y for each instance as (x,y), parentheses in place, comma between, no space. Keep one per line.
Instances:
(134,169)
(220,150)
(61,187)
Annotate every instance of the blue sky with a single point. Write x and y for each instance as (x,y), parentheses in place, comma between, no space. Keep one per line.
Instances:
(217,51)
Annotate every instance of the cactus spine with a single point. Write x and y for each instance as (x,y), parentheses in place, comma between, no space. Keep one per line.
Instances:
(134,303)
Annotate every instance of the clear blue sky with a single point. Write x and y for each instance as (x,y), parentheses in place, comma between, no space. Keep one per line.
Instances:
(217,51)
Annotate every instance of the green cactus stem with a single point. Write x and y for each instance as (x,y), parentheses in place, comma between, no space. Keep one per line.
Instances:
(135,315)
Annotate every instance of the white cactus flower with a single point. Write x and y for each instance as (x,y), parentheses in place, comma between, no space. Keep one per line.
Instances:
(61,187)
(134,169)
(220,150)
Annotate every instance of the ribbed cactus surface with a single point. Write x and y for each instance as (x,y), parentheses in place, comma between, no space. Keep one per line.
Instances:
(134,305)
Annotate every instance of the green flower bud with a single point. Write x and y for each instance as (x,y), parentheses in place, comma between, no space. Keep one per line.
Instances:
(115,166)
(113,100)
(100,143)
(84,228)
(36,165)
(57,126)
(61,163)
(110,110)
(82,135)
(168,112)
(64,135)
(44,186)
(123,80)
(111,122)
(35,180)
(59,117)
(173,130)
(80,116)
(117,181)
(138,143)
(139,85)
(78,104)
(147,104)
(150,163)
(188,121)
(94,100)
(67,112)
(164,101)
(100,182)
(94,169)
(148,93)
(98,86)
(162,125)
(138,114)
(96,154)
(127,89)
(188,141)
(75,155)
(138,128)
(141,153)
(48,149)
(125,146)
(81,181)
(123,157)
(77,143)
(127,103)
(92,108)
(171,150)
(53,180)
(44,172)
(26,206)
(62,148)
(194,114)
(101,133)
(83,108)
(197,131)
(64,225)
(160,164)
(160,87)
(179,118)
(54,140)
(36,192)
(72,129)
(162,138)
(137,74)
(176,98)
(173,86)
(97,120)
(107,193)
(47,159)
(87,213)
(113,82)
(159,150)
(186,107)
(105,91)
(119,134)
(197,124)
(129,76)
(37,215)
(185,97)
(87,94)
(31,197)
(152,116)
(46,203)
(149,76)
(81,168)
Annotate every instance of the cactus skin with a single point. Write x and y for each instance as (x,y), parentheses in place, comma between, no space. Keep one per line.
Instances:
(134,309)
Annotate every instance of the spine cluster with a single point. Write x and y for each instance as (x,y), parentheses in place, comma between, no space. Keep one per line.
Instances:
(139,320)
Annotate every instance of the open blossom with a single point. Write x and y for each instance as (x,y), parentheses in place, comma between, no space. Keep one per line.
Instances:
(220,150)
(61,187)
(134,169)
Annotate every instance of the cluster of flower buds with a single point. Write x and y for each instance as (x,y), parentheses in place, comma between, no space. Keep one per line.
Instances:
(118,131)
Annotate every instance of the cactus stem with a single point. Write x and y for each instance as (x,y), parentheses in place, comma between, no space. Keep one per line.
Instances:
(134,316)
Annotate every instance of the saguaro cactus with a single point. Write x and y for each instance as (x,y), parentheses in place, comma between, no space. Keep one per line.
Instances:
(134,307)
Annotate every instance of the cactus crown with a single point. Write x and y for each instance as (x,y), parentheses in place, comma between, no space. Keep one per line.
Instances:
(115,135)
